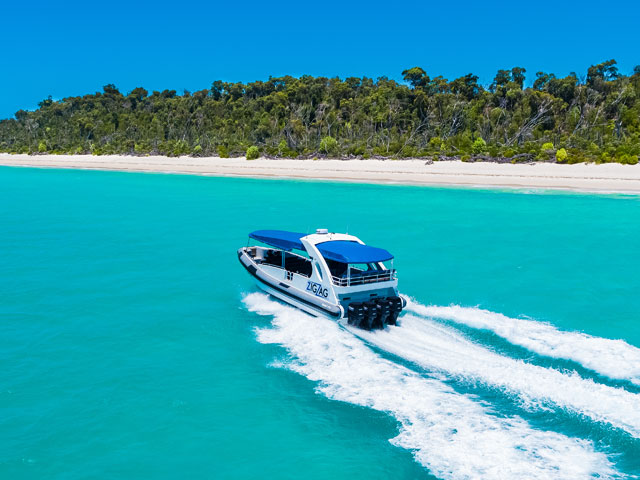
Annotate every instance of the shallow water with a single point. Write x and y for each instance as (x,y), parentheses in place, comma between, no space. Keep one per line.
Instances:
(134,344)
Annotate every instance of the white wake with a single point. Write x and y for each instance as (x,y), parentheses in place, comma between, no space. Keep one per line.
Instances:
(449,433)
(442,349)
(615,359)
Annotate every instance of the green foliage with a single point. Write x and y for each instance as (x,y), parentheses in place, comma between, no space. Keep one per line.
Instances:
(329,145)
(142,148)
(628,159)
(597,119)
(561,155)
(479,146)
(222,151)
(416,76)
(252,153)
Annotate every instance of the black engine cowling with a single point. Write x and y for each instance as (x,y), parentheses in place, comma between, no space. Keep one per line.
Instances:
(355,313)
(396,308)
(374,314)
(370,314)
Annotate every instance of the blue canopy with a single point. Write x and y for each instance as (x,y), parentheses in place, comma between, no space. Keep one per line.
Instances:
(279,238)
(346,251)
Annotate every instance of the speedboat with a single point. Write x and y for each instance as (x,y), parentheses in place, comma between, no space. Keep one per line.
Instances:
(329,274)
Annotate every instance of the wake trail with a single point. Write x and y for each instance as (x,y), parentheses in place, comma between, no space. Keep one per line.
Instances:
(615,359)
(438,348)
(449,433)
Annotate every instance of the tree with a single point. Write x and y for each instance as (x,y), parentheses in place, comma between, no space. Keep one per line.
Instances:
(502,78)
(416,76)
(602,72)
(110,89)
(467,86)
(517,76)
(217,88)
(598,120)
(138,93)
(542,80)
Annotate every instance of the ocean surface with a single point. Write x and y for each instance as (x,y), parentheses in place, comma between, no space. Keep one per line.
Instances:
(133,344)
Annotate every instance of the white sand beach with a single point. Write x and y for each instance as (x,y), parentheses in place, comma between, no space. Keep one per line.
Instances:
(583,177)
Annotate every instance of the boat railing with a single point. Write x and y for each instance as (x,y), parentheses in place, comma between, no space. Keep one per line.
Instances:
(364,278)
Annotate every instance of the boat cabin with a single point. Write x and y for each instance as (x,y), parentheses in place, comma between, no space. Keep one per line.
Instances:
(342,259)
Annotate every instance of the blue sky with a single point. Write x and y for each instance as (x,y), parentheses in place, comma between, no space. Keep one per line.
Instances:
(73,48)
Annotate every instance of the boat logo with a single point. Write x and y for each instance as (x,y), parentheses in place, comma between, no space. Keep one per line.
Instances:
(317,289)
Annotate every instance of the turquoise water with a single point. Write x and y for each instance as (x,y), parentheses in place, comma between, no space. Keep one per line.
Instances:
(134,345)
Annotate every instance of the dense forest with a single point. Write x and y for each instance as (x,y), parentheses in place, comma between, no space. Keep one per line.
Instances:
(593,117)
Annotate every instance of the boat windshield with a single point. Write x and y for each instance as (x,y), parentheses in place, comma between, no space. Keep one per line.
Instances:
(339,269)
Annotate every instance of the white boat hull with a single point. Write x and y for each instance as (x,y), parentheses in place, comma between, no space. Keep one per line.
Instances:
(290,300)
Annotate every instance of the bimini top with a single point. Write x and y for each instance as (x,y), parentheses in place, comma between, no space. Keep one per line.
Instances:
(346,251)
(279,238)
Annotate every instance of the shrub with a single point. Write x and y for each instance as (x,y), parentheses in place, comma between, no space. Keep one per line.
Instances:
(329,145)
(561,155)
(577,156)
(547,146)
(357,149)
(141,148)
(42,147)
(479,146)
(222,151)
(282,147)
(627,159)
(181,148)
(252,152)
(435,143)
(197,150)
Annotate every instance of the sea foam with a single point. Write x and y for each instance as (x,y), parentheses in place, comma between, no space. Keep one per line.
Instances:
(452,435)
(615,359)
(439,348)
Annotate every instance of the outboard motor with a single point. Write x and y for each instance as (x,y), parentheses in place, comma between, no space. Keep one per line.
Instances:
(370,314)
(396,308)
(355,313)
(383,309)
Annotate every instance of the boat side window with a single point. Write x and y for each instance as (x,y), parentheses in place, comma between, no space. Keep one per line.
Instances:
(337,269)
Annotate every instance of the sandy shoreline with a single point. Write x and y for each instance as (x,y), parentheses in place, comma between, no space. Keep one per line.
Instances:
(583,177)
